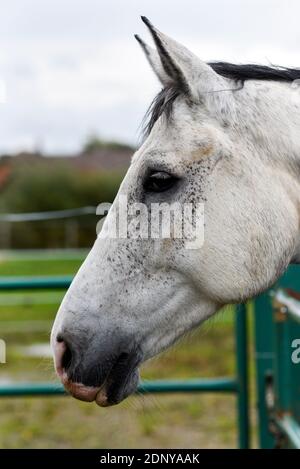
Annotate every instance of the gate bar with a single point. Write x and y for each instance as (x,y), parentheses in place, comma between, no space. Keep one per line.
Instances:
(292,305)
(36,283)
(226,385)
(290,429)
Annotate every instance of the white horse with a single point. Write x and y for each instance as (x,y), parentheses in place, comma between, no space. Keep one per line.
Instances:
(223,135)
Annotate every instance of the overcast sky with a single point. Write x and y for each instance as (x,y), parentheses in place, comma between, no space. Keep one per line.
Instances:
(72,67)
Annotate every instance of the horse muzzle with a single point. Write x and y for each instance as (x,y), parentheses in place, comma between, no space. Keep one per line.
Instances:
(106,376)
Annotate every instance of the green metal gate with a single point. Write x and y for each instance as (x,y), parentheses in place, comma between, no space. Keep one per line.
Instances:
(277,330)
(276,325)
(237,385)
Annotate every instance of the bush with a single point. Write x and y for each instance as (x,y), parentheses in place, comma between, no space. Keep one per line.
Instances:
(95,143)
(45,187)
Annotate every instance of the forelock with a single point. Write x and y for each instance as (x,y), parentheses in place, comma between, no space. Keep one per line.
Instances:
(162,105)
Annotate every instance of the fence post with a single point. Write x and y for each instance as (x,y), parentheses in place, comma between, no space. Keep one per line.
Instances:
(264,359)
(282,363)
(242,376)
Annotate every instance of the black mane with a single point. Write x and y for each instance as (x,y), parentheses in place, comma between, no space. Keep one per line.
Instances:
(245,72)
(163,102)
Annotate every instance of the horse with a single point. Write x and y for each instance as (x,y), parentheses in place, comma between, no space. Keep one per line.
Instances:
(218,135)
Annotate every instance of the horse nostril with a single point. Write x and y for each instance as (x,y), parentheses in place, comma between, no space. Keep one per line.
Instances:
(67,355)
(66,358)
(59,338)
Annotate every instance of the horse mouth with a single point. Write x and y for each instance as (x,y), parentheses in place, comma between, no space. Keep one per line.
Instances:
(117,387)
(121,381)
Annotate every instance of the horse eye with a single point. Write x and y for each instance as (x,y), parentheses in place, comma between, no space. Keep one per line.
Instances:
(159,181)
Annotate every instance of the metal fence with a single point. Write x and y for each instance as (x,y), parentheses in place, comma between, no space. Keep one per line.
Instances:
(237,385)
(277,327)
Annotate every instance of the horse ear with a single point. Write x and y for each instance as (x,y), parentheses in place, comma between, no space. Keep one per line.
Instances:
(184,69)
(154,60)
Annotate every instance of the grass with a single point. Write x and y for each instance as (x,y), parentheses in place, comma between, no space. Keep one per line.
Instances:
(39,267)
(205,420)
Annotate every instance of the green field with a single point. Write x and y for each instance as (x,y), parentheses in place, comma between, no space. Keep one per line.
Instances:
(205,420)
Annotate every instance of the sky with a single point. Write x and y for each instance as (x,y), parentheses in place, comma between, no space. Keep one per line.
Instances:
(72,68)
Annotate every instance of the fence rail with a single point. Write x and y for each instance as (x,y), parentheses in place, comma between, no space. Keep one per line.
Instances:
(223,385)
(288,304)
(290,429)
